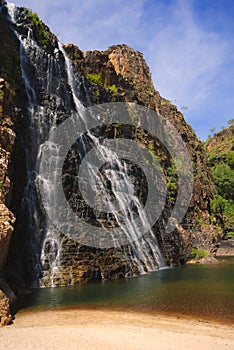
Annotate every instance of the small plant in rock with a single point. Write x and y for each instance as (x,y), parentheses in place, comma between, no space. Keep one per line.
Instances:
(198,253)
(42,32)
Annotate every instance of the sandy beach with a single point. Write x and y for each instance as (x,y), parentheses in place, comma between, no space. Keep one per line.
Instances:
(97,329)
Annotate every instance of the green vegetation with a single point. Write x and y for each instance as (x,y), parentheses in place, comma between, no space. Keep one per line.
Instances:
(98,79)
(221,160)
(223,176)
(154,158)
(97,94)
(134,117)
(212,130)
(10,59)
(113,88)
(171,188)
(171,174)
(230,121)
(76,55)
(42,32)
(171,183)
(151,149)
(95,78)
(225,208)
(3,188)
(184,109)
(198,253)
(230,235)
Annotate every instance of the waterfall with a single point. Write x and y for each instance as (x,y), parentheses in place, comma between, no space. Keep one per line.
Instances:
(52,88)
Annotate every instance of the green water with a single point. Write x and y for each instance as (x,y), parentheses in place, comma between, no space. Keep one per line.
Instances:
(202,291)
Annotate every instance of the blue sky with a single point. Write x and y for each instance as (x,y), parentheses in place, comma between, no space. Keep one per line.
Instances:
(188,45)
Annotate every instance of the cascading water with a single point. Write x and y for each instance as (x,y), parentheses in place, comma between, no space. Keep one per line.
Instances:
(53,92)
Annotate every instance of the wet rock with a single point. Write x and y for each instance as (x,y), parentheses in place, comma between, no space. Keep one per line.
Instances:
(209,260)
(226,248)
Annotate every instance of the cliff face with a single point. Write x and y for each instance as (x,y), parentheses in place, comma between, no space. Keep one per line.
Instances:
(7,219)
(7,137)
(126,70)
(9,83)
(222,143)
(118,74)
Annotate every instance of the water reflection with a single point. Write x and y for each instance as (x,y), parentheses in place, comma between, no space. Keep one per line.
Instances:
(203,291)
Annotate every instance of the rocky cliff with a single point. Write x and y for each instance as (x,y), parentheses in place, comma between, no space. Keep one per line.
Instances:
(9,82)
(7,219)
(121,74)
(221,143)
(118,74)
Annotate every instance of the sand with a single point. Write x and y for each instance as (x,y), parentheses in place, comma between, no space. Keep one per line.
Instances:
(102,330)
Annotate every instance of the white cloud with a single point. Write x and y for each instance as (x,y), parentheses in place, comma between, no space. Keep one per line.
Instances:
(91,24)
(184,58)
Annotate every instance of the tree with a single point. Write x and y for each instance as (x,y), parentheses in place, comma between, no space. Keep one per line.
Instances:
(230,121)
(223,176)
(225,208)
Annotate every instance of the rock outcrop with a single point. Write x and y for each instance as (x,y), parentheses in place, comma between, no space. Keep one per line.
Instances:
(10,77)
(5,316)
(7,219)
(221,142)
(226,248)
(120,66)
